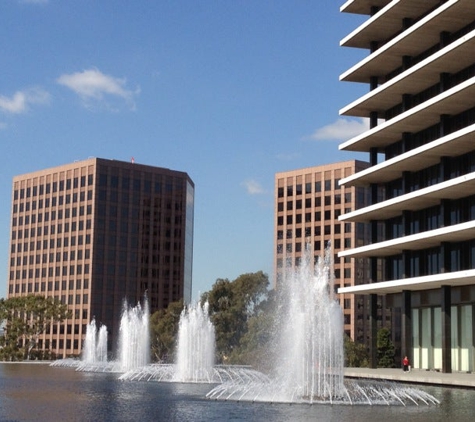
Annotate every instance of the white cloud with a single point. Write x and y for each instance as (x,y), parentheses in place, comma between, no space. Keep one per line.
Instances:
(253,187)
(341,130)
(21,100)
(93,85)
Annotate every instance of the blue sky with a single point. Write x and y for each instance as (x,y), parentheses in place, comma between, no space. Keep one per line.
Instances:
(229,91)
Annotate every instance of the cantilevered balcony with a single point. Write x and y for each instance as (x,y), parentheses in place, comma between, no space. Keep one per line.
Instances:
(387,22)
(452,145)
(449,17)
(451,59)
(456,188)
(362,7)
(424,240)
(453,101)
(436,281)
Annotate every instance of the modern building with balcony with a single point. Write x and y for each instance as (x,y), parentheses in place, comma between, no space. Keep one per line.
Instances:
(308,203)
(420,70)
(95,232)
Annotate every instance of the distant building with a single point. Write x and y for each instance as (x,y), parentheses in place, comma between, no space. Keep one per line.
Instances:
(308,203)
(96,232)
(420,70)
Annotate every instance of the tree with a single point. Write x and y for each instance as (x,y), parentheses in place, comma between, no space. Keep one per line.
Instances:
(26,318)
(164,329)
(255,346)
(231,306)
(356,355)
(385,348)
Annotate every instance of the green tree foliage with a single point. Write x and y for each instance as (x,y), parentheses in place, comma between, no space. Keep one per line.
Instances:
(26,318)
(164,330)
(255,346)
(385,346)
(356,355)
(232,307)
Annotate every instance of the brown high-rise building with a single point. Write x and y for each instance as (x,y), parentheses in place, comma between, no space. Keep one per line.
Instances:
(96,232)
(308,203)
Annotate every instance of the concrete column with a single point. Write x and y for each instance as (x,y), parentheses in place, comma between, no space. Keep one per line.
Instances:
(446,330)
(445,257)
(444,125)
(444,39)
(444,81)
(406,325)
(406,62)
(373,46)
(406,102)
(373,119)
(406,182)
(373,82)
(407,23)
(373,331)
(373,156)
(374,10)
(406,264)
(406,141)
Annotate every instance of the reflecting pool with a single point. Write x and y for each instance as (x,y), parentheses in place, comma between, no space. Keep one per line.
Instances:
(38,392)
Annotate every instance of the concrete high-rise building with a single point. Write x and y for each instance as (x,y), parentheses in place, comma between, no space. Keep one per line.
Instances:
(308,203)
(421,144)
(96,232)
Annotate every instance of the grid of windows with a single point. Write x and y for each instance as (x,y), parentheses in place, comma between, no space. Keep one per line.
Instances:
(308,204)
(93,233)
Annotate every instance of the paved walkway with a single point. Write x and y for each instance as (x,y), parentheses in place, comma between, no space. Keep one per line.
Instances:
(455,379)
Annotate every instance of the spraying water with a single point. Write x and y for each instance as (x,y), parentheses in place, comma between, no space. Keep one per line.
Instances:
(196,345)
(309,337)
(101,347)
(309,354)
(95,344)
(134,337)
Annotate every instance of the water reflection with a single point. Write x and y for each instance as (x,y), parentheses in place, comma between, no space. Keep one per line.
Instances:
(41,393)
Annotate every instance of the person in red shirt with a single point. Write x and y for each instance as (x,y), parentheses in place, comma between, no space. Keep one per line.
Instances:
(405,364)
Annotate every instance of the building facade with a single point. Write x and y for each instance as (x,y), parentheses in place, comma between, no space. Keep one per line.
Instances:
(420,70)
(308,203)
(96,232)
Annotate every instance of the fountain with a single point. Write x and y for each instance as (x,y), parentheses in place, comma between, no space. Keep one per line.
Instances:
(196,345)
(194,356)
(308,342)
(134,337)
(309,335)
(134,344)
(95,344)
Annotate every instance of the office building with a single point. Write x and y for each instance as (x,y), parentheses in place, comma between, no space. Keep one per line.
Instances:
(308,203)
(420,70)
(96,232)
